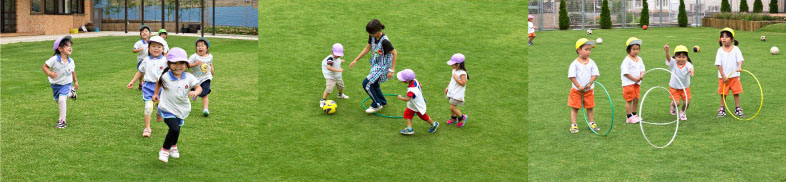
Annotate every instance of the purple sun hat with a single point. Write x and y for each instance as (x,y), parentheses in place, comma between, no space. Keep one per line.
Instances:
(57,42)
(530,17)
(177,54)
(406,75)
(338,50)
(456,58)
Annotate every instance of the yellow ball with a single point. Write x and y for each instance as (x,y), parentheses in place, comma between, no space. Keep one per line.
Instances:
(330,107)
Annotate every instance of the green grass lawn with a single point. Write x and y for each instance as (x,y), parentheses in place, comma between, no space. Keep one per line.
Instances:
(706,147)
(103,140)
(776,28)
(299,142)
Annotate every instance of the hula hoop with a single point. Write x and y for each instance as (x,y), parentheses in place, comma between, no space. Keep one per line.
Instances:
(684,93)
(363,104)
(761,91)
(584,111)
(641,124)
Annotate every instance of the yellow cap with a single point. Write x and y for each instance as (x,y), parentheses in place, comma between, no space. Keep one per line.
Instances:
(583,41)
(680,48)
(727,29)
(633,40)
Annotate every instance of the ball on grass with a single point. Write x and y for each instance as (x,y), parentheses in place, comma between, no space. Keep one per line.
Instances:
(599,41)
(774,50)
(644,27)
(589,31)
(330,107)
(763,38)
(696,48)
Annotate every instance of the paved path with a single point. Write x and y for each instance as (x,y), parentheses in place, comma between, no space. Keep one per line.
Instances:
(35,38)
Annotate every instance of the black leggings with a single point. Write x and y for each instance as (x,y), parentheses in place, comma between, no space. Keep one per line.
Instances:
(174,132)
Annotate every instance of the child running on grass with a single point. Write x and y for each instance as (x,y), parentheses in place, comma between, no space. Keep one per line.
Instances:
(201,64)
(61,74)
(456,88)
(383,64)
(679,86)
(173,88)
(151,68)
(331,69)
(416,104)
(163,34)
(530,29)
(632,71)
(582,72)
(729,61)
(140,47)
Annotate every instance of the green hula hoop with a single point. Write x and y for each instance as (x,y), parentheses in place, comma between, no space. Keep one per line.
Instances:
(584,111)
(363,104)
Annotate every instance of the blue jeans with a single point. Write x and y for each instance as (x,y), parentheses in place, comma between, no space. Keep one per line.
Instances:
(373,91)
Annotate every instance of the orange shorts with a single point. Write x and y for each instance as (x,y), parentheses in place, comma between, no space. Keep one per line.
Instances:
(732,84)
(679,94)
(531,35)
(574,100)
(631,92)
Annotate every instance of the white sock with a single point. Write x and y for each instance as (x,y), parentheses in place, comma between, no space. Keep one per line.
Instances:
(61,103)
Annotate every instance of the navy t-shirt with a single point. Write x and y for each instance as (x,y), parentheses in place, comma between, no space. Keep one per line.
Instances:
(386,45)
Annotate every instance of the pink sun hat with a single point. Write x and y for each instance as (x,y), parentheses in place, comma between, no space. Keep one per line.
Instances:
(57,42)
(530,17)
(406,75)
(177,54)
(338,49)
(456,58)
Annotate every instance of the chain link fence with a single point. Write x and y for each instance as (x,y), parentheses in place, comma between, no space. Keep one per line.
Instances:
(585,14)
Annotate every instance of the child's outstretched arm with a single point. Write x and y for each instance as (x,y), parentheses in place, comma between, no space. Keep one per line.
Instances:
(668,56)
(137,75)
(76,84)
(362,53)
(49,73)
(407,98)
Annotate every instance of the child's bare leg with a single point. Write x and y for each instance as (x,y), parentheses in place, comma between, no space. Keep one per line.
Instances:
(340,90)
(324,95)
(684,105)
(722,101)
(635,106)
(573,113)
(429,121)
(737,100)
(628,107)
(205,102)
(591,115)
(147,120)
(409,123)
(454,111)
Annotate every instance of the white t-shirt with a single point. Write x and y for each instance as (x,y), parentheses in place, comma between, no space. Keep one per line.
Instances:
(143,45)
(456,91)
(583,72)
(174,96)
(64,70)
(202,74)
(531,28)
(634,68)
(679,74)
(152,67)
(417,103)
(728,60)
(333,62)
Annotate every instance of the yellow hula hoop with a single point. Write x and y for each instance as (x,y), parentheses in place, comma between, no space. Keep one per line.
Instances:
(761,91)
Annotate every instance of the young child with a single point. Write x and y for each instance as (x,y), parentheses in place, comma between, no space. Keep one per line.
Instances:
(140,47)
(201,64)
(729,61)
(173,88)
(163,34)
(582,72)
(383,64)
(679,86)
(331,69)
(531,29)
(632,71)
(416,104)
(60,71)
(151,68)
(456,88)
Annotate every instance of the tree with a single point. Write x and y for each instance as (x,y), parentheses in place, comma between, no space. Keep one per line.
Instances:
(564,20)
(645,14)
(725,6)
(605,15)
(744,6)
(773,6)
(682,17)
(758,7)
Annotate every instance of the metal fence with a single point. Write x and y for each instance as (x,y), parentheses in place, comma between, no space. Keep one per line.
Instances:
(585,14)
(114,14)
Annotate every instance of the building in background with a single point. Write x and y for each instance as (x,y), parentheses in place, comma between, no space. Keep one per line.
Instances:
(44,16)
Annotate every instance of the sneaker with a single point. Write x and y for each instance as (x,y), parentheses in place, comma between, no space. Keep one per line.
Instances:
(343,96)
(738,112)
(407,131)
(451,121)
(173,152)
(574,128)
(594,127)
(434,127)
(146,132)
(73,94)
(321,103)
(61,124)
(463,121)
(163,155)
(629,120)
(673,109)
(206,113)
(373,110)
(636,119)
(721,112)
(683,116)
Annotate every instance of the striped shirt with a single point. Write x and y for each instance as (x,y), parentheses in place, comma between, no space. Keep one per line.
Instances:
(380,61)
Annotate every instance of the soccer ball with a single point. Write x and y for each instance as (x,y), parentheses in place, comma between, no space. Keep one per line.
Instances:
(599,41)
(763,38)
(696,48)
(774,50)
(644,27)
(330,107)
(589,31)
